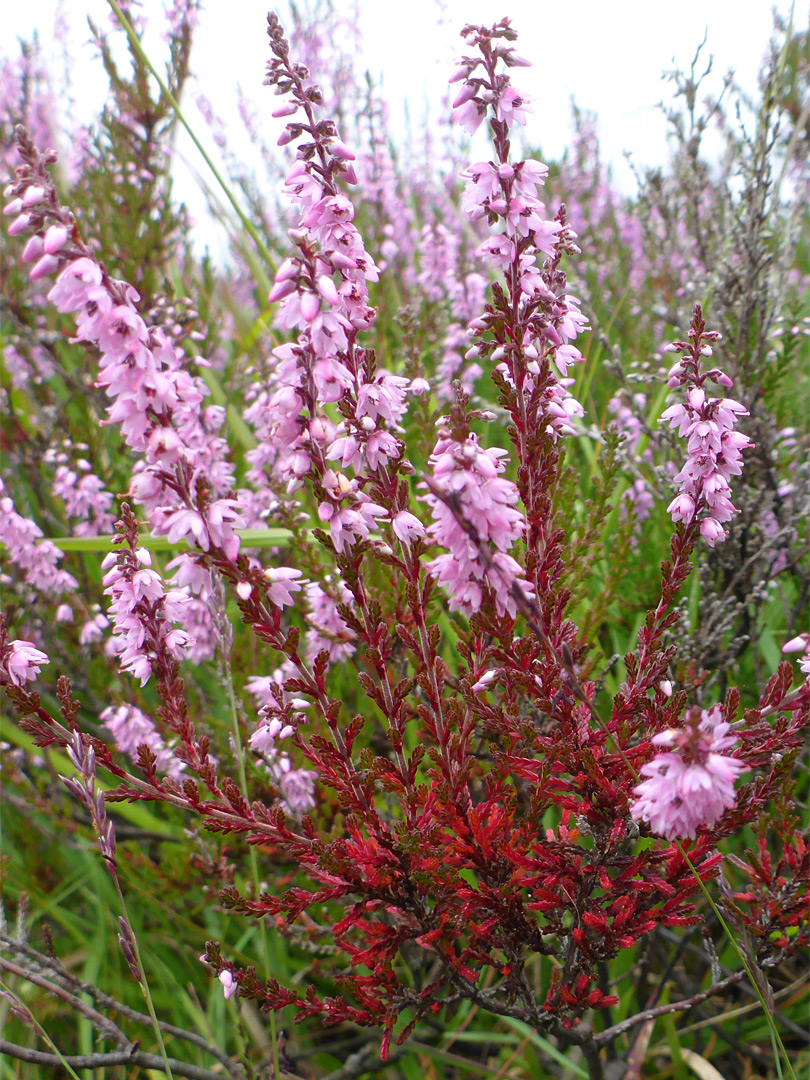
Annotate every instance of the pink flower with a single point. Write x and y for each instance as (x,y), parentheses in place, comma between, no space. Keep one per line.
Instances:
(283,584)
(513,106)
(469,116)
(228,983)
(407,527)
(74,284)
(23,661)
(800,644)
(691,786)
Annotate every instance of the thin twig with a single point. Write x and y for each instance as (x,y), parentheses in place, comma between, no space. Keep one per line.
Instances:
(102,1061)
(606,1036)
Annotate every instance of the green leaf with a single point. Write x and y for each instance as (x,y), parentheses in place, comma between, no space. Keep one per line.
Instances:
(253,538)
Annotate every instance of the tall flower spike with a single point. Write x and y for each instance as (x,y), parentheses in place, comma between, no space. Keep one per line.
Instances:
(707,423)
(183,477)
(323,295)
(535,351)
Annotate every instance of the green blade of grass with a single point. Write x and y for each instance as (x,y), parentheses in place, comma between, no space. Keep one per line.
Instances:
(252,538)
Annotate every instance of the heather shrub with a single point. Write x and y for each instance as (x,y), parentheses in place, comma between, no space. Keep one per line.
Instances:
(394,615)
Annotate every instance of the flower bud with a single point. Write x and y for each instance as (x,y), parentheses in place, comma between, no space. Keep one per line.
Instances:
(55,239)
(33,196)
(33,250)
(465,93)
(20,224)
(46,265)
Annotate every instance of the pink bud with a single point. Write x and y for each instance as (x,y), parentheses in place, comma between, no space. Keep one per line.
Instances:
(280,290)
(465,93)
(55,238)
(348,173)
(317,430)
(514,59)
(460,73)
(712,531)
(285,110)
(228,984)
(288,269)
(484,681)
(33,196)
(797,644)
(12,208)
(327,289)
(46,265)
(33,250)
(298,168)
(340,150)
(343,261)
(20,224)
(286,136)
(310,306)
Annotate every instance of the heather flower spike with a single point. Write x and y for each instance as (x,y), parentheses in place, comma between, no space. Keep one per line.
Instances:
(707,423)
(530,340)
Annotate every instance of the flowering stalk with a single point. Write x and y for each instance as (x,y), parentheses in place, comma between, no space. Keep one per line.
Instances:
(708,425)
(184,479)
(529,328)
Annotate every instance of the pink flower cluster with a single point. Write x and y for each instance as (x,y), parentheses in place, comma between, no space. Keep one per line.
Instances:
(183,477)
(714,447)
(692,785)
(469,486)
(326,629)
(36,557)
(281,715)
(131,728)
(476,95)
(142,611)
(86,500)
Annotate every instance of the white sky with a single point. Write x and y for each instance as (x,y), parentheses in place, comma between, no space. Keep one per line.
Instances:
(607,54)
